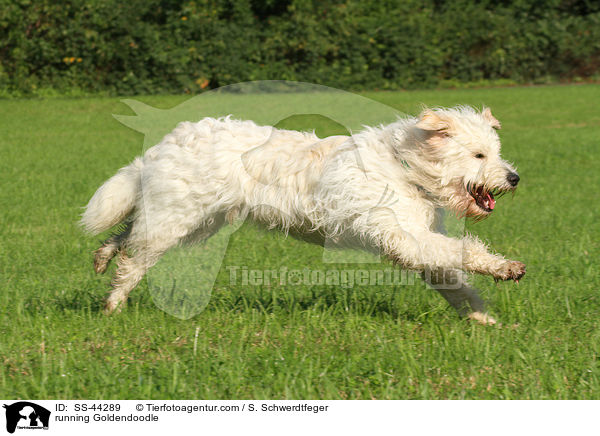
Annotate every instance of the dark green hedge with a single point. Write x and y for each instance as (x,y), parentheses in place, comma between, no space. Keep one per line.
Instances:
(158,46)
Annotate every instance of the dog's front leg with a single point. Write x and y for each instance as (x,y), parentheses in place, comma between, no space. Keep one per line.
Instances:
(476,258)
(426,250)
(441,259)
(453,286)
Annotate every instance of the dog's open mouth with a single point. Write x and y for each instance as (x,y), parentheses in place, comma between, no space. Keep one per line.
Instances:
(484,198)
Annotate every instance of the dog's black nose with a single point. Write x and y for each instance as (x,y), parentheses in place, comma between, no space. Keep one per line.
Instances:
(513,179)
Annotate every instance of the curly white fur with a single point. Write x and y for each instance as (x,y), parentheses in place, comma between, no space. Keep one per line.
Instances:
(380,188)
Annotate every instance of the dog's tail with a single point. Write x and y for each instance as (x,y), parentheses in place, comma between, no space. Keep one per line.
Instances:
(114,200)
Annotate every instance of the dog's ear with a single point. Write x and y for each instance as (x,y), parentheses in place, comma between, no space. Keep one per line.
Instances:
(487,115)
(431,121)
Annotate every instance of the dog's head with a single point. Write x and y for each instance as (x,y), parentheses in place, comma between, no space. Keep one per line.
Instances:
(462,145)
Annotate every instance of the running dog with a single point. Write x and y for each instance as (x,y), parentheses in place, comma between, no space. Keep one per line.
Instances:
(382,188)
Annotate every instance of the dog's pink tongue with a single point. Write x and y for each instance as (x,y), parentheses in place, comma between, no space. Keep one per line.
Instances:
(491,201)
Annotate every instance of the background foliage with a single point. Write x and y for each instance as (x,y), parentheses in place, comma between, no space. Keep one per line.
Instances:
(160,46)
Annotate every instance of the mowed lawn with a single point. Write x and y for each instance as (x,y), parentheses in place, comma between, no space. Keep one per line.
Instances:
(303,341)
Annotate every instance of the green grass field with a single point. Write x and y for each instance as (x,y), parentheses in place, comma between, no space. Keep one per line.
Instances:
(300,342)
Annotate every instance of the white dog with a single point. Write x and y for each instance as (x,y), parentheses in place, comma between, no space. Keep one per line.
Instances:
(382,188)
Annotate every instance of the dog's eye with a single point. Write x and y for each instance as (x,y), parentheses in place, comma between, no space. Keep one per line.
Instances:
(480,156)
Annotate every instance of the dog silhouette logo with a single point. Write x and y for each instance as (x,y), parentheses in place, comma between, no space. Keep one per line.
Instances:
(26,415)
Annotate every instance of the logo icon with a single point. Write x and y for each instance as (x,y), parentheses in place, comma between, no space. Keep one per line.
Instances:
(26,415)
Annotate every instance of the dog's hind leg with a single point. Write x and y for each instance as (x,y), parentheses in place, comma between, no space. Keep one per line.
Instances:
(451,284)
(147,252)
(146,249)
(130,270)
(104,254)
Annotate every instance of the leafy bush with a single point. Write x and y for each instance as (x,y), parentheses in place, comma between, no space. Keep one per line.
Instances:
(160,46)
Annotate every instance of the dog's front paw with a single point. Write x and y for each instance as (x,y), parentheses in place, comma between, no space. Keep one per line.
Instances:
(482,318)
(511,270)
(112,306)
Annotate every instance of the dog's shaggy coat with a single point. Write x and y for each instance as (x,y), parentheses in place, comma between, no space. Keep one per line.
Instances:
(381,188)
